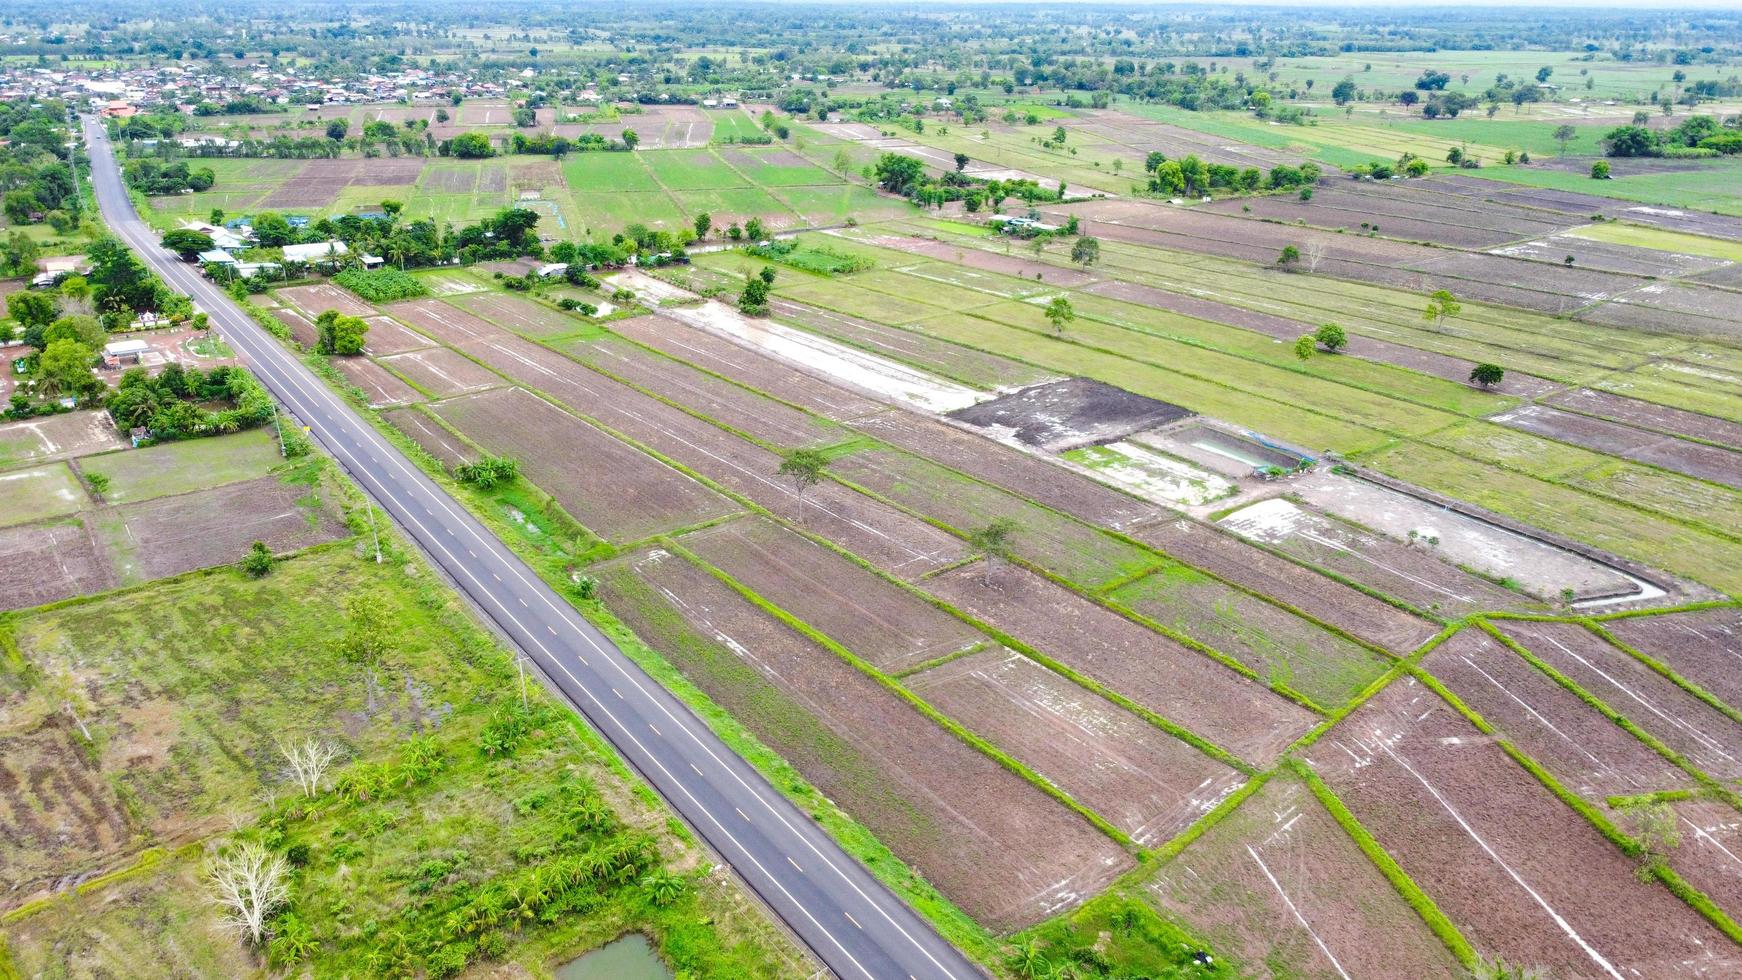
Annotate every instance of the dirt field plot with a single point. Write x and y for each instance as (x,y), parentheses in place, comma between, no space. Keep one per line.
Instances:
(315,300)
(1068,548)
(58,437)
(1399,213)
(977,258)
(47,562)
(1171,680)
(1020,472)
(319,182)
(745,366)
(1649,415)
(38,492)
(892,629)
(1279,886)
(1704,647)
(445,323)
(1524,876)
(1589,754)
(1002,850)
(378,385)
(1279,646)
(171,535)
(1709,855)
(1068,414)
(760,416)
(1413,574)
(1142,780)
(441,372)
(949,360)
(519,315)
(302,330)
(616,491)
(429,434)
(1707,738)
(388,336)
(1615,439)
(1610,257)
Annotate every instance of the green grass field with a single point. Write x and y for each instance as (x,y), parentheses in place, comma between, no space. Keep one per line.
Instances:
(178,467)
(1712,185)
(1660,239)
(691,170)
(41,491)
(733,123)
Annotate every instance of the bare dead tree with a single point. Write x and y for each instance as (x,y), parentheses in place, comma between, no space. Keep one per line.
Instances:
(1314,253)
(249,883)
(309,762)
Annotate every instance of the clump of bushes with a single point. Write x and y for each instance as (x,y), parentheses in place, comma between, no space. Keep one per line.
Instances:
(381,285)
(172,405)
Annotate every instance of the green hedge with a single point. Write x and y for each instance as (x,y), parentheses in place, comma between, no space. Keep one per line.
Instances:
(381,285)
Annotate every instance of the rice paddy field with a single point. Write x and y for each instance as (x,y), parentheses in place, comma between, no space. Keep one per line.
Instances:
(1236,647)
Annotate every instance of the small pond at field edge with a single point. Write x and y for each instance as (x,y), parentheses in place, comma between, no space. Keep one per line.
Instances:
(629,958)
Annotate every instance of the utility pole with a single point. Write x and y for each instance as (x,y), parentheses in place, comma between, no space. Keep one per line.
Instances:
(278,430)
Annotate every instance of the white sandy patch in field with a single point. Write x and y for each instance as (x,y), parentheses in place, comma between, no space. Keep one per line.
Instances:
(877,376)
(1537,567)
(451,285)
(1149,474)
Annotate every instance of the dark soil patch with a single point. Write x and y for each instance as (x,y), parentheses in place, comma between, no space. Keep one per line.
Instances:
(1068,414)
(429,434)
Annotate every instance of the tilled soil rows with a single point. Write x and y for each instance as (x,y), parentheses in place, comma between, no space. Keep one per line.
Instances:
(1707,738)
(51,561)
(1180,684)
(429,434)
(1703,647)
(1141,779)
(611,488)
(1524,876)
(1002,850)
(315,300)
(1585,751)
(1651,416)
(1615,439)
(1279,883)
(892,629)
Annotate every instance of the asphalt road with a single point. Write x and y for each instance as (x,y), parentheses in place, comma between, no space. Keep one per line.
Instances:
(848,919)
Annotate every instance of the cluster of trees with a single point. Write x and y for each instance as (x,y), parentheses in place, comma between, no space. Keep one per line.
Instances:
(149,176)
(337,333)
(560,146)
(175,403)
(1696,136)
(1192,176)
(905,175)
(36,176)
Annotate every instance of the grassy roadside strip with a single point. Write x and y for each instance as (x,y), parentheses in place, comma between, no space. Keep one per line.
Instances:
(915,701)
(1716,703)
(1626,843)
(1419,900)
(1602,707)
(550,564)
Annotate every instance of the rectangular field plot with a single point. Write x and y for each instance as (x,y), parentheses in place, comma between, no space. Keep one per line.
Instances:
(39,492)
(1413,574)
(388,336)
(834,204)
(1523,876)
(522,316)
(428,433)
(879,622)
(171,535)
(441,372)
(939,357)
(603,215)
(1615,439)
(1153,671)
(691,170)
(1279,883)
(47,562)
(1647,415)
(1704,647)
(731,204)
(1066,547)
(379,386)
(998,847)
(1141,779)
(745,366)
(1709,739)
(302,329)
(57,437)
(1588,753)
(315,300)
(607,172)
(613,489)
(1277,645)
(746,411)
(177,467)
